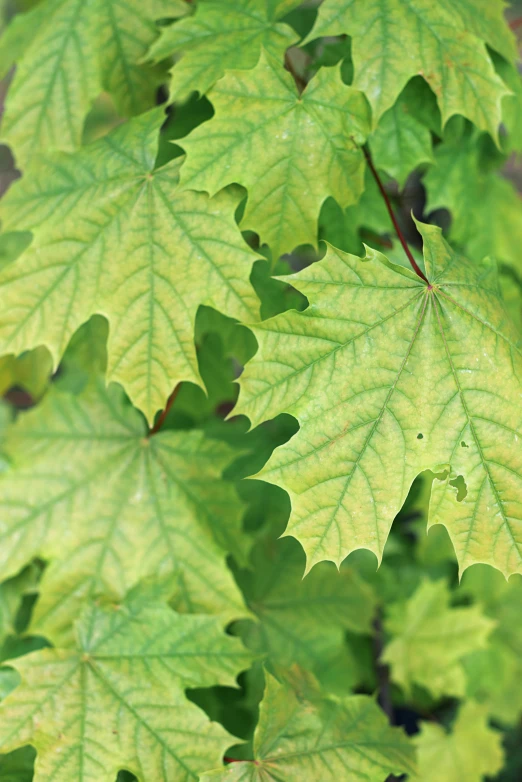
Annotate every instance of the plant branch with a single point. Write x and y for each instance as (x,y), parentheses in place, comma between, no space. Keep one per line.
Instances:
(415,266)
(383,674)
(164,413)
(516,23)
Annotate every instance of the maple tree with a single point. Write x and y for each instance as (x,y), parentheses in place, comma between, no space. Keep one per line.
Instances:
(263,518)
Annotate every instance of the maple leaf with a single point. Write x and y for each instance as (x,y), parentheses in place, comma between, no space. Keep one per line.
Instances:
(302,621)
(494,674)
(430,639)
(55,82)
(109,506)
(303,736)
(123,680)
(388,377)
(222,35)
(444,42)
(114,236)
(291,152)
(472,748)
(400,143)
(485,207)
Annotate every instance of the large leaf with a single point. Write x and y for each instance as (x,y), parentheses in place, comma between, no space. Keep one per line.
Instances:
(108,506)
(388,377)
(67,52)
(313,739)
(222,35)
(112,235)
(116,699)
(430,640)
(393,40)
(290,151)
(471,751)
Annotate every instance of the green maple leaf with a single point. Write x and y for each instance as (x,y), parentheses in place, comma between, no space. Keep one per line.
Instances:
(444,42)
(109,506)
(67,52)
(388,377)
(114,236)
(291,152)
(302,621)
(485,207)
(494,675)
(400,143)
(222,35)
(472,749)
(430,639)
(303,736)
(116,698)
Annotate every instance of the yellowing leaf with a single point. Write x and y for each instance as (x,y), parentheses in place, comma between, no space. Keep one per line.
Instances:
(321,739)
(67,52)
(471,751)
(291,152)
(430,639)
(394,40)
(108,506)
(116,237)
(388,377)
(116,699)
(222,35)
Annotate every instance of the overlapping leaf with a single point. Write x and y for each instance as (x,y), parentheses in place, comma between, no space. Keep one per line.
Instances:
(116,698)
(389,376)
(67,52)
(303,737)
(444,42)
(302,621)
(223,35)
(108,506)
(430,640)
(290,151)
(486,209)
(112,235)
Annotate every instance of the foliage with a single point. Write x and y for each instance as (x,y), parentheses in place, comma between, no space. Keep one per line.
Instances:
(263,517)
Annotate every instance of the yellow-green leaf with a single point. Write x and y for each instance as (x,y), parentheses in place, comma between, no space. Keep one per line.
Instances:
(116,237)
(445,42)
(222,35)
(291,152)
(388,377)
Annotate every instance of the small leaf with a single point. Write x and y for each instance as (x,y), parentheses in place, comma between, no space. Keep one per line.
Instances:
(430,639)
(471,748)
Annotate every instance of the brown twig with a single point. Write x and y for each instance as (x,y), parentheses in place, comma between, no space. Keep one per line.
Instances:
(416,268)
(164,413)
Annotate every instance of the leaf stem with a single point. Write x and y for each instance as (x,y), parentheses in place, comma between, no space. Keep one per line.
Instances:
(416,268)
(164,413)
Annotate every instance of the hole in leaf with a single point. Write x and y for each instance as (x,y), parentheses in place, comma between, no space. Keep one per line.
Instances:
(420,436)
(460,485)
(464,445)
